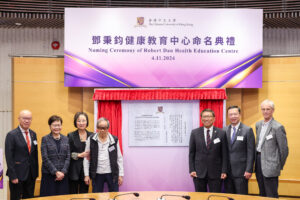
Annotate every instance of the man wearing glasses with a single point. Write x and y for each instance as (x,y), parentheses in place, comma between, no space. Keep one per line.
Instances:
(208,155)
(105,161)
(21,154)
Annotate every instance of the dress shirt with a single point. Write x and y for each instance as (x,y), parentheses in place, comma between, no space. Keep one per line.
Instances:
(262,134)
(236,129)
(103,156)
(210,133)
(24,135)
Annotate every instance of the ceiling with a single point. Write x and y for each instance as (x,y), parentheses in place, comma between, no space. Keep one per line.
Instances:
(50,13)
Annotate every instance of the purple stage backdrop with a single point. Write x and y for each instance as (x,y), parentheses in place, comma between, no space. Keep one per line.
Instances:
(163,47)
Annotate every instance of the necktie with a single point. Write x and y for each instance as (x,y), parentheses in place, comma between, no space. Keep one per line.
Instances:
(28,141)
(233,135)
(207,139)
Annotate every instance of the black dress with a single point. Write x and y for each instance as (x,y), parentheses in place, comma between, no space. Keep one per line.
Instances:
(76,174)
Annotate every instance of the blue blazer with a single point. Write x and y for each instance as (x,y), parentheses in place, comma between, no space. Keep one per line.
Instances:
(242,151)
(53,160)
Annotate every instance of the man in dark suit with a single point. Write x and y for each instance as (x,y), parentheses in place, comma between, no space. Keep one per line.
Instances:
(271,151)
(208,154)
(241,151)
(22,158)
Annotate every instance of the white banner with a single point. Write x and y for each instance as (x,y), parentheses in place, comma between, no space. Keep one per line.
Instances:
(161,123)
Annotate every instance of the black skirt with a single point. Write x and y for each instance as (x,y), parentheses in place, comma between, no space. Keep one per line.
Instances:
(50,187)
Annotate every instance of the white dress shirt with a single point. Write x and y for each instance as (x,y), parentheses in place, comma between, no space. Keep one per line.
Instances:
(211,129)
(24,135)
(262,134)
(236,129)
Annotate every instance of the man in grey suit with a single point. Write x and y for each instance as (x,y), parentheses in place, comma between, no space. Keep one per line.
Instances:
(241,150)
(208,154)
(272,151)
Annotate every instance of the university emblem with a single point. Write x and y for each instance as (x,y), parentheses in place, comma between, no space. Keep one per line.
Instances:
(140,20)
(160,108)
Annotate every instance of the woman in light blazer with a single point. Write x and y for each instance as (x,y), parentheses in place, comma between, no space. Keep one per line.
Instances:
(56,160)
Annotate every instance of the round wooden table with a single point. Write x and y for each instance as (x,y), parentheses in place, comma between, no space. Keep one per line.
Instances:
(153,195)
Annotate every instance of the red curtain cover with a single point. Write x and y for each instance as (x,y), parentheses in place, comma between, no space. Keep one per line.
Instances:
(159,94)
(217,107)
(112,111)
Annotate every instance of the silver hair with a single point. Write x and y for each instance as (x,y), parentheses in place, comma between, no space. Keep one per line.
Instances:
(268,102)
(101,120)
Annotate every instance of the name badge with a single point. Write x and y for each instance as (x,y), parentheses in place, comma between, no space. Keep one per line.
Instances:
(110,149)
(269,137)
(217,140)
(240,138)
(35,142)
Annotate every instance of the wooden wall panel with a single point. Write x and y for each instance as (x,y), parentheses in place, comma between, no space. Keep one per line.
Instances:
(88,105)
(234,99)
(38,85)
(281,84)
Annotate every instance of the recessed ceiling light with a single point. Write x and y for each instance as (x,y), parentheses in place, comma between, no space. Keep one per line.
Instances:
(18,24)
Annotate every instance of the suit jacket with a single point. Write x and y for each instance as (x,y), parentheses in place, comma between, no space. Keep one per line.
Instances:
(53,160)
(242,151)
(208,162)
(76,166)
(274,149)
(19,161)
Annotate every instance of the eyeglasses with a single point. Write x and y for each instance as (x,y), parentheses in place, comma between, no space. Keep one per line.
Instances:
(102,127)
(206,117)
(266,109)
(56,125)
(26,118)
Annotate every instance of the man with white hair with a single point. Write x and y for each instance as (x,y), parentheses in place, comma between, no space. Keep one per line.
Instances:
(21,154)
(271,150)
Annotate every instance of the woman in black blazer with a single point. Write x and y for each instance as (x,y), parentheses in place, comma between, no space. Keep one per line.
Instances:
(56,160)
(77,141)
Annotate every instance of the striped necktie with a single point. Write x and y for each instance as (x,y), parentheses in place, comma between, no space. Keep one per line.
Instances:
(233,135)
(207,139)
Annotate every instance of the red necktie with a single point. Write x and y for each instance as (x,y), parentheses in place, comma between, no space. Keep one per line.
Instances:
(28,141)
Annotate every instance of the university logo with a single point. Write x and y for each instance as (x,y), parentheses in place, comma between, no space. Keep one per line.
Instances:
(160,109)
(140,21)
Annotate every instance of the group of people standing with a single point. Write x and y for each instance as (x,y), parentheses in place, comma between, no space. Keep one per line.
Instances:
(230,154)
(68,162)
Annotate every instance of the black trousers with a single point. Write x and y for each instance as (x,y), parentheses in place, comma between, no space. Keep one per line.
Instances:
(78,186)
(100,179)
(214,185)
(268,186)
(24,189)
(236,185)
